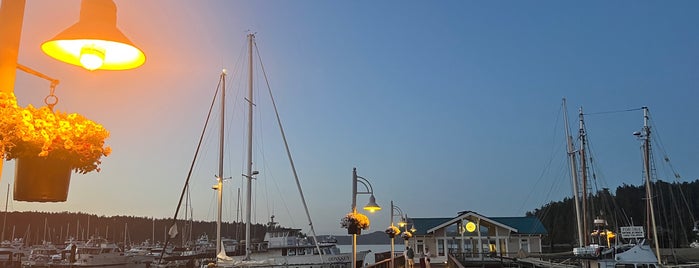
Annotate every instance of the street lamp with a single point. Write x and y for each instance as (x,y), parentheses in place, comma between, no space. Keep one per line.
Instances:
(101,43)
(95,42)
(371,206)
(404,223)
(394,209)
(412,231)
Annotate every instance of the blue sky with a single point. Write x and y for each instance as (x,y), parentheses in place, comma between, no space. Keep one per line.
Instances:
(444,106)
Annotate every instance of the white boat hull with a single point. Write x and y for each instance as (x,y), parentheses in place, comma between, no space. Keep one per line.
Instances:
(343,260)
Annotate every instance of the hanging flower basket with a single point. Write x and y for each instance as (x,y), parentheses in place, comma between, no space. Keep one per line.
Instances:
(392,231)
(41,179)
(354,229)
(57,138)
(355,222)
(407,235)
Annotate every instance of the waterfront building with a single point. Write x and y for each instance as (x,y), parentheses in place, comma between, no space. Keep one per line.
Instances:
(476,236)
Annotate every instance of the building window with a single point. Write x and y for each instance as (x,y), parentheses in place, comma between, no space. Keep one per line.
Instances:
(524,244)
(453,245)
(440,247)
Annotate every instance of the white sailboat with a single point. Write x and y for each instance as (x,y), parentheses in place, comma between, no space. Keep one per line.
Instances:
(97,252)
(606,250)
(281,246)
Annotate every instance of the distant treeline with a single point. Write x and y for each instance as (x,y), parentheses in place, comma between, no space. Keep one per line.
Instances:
(35,227)
(373,238)
(676,205)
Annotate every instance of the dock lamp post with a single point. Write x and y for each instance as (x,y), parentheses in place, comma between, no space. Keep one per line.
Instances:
(94,42)
(395,209)
(404,223)
(371,206)
(412,231)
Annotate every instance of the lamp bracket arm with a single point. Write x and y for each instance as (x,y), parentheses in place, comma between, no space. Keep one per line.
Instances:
(54,82)
(366,184)
(397,210)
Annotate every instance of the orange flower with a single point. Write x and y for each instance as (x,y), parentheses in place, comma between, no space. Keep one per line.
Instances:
(392,231)
(41,132)
(361,220)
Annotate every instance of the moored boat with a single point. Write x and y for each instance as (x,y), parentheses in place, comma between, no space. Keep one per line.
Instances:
(97,252)
(43,256)
(288,246)
(601,247)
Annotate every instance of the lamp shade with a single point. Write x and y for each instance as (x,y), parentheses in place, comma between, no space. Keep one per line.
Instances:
(372,206)
(95,42)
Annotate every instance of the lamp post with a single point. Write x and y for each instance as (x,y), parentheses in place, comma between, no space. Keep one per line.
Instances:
(401,223)
(412,231)
(404,224)
(371,206)
(94,42)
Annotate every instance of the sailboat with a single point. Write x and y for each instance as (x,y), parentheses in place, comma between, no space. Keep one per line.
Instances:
(602,248)
(281,246)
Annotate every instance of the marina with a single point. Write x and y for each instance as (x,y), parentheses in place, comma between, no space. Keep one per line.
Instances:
(149,134)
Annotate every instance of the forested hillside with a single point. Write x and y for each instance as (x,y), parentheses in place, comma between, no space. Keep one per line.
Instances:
(676,209)
(676,206)
(35,227)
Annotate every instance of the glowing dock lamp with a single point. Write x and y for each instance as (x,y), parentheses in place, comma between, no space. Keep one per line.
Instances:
(371,206)
(470,227)
(395,209)
(95,42)
(407,232)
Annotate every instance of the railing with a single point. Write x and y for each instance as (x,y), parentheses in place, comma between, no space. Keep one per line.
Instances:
(479,260)
(383,260)
(453,262)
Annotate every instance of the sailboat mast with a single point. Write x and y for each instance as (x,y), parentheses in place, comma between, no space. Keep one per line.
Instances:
(46,226)
(646,166)
(4,220)
(248,207)
(219,180)
(574,175)
(126,227)
(583,177)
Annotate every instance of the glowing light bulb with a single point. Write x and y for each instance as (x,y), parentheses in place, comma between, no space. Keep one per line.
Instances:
(96,29)
(91,57)
(470,227)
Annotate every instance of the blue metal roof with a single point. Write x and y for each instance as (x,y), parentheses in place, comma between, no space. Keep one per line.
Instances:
(524,225)
(424,224)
